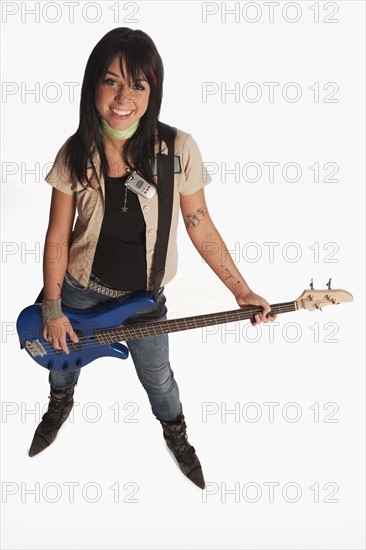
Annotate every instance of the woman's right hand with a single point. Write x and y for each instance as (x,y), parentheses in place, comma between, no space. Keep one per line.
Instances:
(55,333)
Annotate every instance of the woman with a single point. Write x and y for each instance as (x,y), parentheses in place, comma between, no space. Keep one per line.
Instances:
(111,250)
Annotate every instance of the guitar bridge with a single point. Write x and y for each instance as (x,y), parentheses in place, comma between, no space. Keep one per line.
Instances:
(35,348)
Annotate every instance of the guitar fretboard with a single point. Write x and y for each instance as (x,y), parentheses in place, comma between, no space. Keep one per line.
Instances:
(155,328)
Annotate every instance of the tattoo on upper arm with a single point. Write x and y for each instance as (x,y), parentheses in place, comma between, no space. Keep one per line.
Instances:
(192,220)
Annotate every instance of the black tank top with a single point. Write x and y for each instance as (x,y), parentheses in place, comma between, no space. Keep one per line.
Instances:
(120,256)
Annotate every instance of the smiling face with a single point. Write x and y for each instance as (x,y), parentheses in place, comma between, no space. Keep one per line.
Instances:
(119,101)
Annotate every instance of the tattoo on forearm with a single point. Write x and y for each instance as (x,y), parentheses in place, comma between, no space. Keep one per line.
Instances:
(228,275)
(226,272)
(192,220)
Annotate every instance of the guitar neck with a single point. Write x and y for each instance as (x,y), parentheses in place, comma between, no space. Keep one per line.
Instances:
(155,328)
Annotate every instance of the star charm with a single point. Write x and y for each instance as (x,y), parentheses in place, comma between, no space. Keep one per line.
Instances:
(124,209)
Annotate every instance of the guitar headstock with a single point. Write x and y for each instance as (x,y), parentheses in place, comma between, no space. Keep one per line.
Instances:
(317,299)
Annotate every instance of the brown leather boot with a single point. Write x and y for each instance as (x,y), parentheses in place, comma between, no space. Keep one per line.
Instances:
(59,407)
(176,438)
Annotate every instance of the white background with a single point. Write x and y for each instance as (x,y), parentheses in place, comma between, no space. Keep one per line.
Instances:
(221,369)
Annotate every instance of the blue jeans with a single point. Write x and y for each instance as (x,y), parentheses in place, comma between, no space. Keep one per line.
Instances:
(150,355)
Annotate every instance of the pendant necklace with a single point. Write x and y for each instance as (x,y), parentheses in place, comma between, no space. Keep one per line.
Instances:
(120,134)
(124,207)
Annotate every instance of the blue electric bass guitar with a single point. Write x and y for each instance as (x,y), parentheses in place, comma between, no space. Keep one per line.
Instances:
(100,329)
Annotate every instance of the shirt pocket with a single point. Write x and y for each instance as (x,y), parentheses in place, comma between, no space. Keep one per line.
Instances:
(86,201)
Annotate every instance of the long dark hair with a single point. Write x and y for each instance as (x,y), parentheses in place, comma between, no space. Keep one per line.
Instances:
(141,57)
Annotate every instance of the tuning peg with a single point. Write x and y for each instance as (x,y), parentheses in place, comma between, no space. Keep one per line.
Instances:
(328,284)
(311,284)
(317,306)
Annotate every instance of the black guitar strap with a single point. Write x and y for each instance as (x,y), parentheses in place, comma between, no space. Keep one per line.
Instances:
(165,173)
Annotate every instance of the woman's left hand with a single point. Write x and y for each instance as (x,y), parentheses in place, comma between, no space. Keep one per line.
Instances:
(251,299)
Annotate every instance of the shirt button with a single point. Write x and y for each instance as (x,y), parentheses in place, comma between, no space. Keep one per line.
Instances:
(150,232)
(146,208)
(151,252)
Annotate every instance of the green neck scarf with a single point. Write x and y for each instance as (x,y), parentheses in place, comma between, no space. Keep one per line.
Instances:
(118,134)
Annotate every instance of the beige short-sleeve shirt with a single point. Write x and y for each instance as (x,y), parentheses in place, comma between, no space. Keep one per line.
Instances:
(90,201)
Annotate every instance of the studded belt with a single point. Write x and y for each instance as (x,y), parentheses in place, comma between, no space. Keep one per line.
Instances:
(106,291)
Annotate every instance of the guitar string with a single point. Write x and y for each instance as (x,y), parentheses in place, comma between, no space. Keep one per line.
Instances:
(133,332)
(218,318)
(92,341)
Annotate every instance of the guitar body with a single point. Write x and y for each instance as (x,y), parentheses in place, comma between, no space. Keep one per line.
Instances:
(84,322)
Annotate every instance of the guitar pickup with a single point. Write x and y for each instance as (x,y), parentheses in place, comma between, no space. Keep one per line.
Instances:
(75,346)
